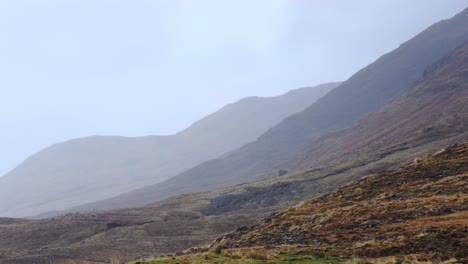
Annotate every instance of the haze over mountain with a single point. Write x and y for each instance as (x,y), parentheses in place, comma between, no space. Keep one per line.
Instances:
(431,114)
(431,189)
(363,93)
(94,168)
(72,69)
(410,102)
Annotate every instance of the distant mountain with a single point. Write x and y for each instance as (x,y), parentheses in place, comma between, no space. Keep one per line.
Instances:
(363,93)
(430,115)
(90,169)
(416,211)
(431,189)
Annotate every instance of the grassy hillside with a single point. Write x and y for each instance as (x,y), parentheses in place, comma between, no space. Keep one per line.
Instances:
(434,109)
(252,256)
(192,219)
(417,212)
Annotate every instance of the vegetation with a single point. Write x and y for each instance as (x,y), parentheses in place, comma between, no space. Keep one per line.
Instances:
(364,93)
(418,209)
(249,256)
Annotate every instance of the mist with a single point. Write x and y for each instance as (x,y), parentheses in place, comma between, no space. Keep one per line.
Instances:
(79,68)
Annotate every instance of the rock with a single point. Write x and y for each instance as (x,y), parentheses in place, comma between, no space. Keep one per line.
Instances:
(459,207)
(242,229)
(229,236)
(422,230)
(442,209)
(370,223)
(315,218)
(296,232)
(417,161)
(316,242)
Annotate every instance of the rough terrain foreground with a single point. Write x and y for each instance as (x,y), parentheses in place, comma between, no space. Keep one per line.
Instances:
(417,212)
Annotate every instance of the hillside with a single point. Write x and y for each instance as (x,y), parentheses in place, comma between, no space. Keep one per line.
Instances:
(416,212)
(89,169)
(363,93)
(193,219)
(432,112)
(188,220)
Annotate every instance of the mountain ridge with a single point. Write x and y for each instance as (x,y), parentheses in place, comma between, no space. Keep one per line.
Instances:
(188,220)
(93,168)
(415,115)
(360,95)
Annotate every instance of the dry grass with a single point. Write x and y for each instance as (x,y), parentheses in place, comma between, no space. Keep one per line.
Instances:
(419,209)
(256,255)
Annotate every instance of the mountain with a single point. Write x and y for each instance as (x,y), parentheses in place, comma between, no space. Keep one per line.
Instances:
(432,112)
(188,220)
(365,92)
(428,116)
(89,169)
(415,212)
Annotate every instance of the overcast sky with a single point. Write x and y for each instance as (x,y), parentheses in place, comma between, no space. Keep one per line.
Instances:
(76,68)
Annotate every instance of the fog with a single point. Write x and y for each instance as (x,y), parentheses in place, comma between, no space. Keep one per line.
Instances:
(78,68)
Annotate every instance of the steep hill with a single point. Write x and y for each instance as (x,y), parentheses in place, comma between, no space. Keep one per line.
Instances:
(363,93)
(416,212)
(89,169)
(434,109)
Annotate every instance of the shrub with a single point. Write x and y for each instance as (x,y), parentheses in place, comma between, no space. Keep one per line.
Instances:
(256,255)
(218,249)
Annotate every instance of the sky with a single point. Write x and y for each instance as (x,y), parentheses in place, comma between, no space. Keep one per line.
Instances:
(78,68)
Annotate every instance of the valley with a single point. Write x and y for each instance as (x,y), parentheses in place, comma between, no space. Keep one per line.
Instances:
(370,170)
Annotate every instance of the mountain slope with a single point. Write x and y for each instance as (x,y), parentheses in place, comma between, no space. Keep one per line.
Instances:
(417,210)
(434,109)
(428,116)
(187,220)
(95,168)
(363,93)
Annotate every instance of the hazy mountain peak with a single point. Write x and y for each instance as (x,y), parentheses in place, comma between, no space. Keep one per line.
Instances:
(363,93)
(93,168)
